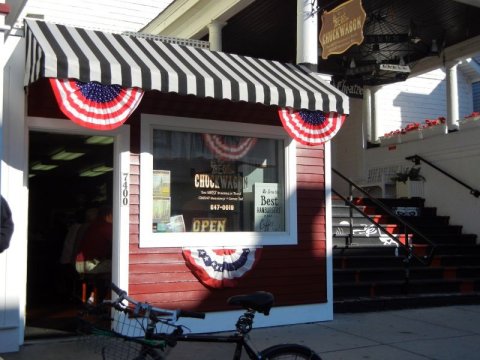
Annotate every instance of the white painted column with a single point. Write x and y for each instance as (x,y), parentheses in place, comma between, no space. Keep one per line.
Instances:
(3,31)
(367,115)
(307,33)
(452,95)
(375,116)
(215,35)
(9,336)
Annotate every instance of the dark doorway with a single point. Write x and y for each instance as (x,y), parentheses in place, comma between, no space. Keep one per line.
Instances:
(68,174)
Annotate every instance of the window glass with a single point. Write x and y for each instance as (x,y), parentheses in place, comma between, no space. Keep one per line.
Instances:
(206,182)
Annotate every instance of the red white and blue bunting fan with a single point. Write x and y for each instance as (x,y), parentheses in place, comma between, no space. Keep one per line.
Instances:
(311,127)
(219,268)
(94,105)
(228,151)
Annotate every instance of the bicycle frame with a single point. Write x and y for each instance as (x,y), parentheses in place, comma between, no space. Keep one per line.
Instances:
(237,339)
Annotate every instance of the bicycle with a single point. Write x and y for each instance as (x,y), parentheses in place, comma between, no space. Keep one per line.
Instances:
(131,329)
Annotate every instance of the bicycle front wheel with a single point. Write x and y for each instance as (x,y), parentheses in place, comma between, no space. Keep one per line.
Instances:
(289,352)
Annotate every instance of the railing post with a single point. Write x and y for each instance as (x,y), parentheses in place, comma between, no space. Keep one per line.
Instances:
(350,198)
(407,260)
(418,159)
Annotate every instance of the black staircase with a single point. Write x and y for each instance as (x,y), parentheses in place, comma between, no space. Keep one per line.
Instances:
(402,255)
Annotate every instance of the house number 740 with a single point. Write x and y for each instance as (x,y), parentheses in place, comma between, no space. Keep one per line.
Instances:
(125,189)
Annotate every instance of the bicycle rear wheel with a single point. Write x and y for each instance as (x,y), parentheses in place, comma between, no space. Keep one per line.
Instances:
(289,352)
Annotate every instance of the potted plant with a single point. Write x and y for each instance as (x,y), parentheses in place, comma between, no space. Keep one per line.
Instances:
(411,132)
(390,138)
(409,183)
(433,127)
(470,121)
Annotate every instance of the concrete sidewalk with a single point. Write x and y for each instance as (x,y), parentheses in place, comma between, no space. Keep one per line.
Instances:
(441,333)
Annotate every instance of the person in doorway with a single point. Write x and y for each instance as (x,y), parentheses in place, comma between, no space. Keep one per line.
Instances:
(75,234)
(94,258)
(76,231)
(6,225)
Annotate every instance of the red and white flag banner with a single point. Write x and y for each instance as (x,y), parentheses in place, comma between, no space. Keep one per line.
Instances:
(228,151)
(94,105)
(311,127)
(219,268)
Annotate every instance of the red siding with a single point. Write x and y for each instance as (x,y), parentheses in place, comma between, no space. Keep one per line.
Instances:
(295,274)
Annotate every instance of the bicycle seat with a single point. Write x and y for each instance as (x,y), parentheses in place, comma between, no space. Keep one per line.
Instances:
(260,301)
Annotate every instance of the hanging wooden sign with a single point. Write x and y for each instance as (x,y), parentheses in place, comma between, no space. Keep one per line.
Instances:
(342,28)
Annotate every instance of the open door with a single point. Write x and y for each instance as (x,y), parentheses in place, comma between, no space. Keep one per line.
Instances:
(70,177)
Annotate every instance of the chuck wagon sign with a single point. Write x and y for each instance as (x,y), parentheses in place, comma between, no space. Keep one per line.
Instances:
(342,27)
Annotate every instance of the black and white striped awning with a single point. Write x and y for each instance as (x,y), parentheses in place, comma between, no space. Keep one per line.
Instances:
(65,52)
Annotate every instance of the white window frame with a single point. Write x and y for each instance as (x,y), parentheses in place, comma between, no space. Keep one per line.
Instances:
(213,239)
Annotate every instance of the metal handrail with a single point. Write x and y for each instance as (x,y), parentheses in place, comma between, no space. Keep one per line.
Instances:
(417,159)
(408,228)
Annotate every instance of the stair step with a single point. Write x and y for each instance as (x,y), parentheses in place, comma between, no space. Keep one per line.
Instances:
(363,250)
(344,211)
(423,220)
(364,230)
(398,274)
(459,239)
(458,249)
(381,261)
(456,260)
(399,287)
(360,220)
(432,230)
(367,304)
(415,221)
(415,202)
(367,241)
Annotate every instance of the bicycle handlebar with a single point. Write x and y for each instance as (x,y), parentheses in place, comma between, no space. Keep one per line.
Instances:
(163,313)
(121,293)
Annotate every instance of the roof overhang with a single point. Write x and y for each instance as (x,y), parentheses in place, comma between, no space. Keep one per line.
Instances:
(189,18)
(58,51)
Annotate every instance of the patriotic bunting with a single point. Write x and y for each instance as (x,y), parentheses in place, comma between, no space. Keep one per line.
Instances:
(93,105)
(218,268)
(228,151)
(311,127)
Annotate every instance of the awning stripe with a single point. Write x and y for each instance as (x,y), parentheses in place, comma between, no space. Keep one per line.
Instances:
(58,51)
(100,64)
(83,63)
(126,78)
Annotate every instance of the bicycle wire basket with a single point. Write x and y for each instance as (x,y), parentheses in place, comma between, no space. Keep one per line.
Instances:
(118,334)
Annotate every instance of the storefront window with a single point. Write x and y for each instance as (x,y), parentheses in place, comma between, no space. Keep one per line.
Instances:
(210,182)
